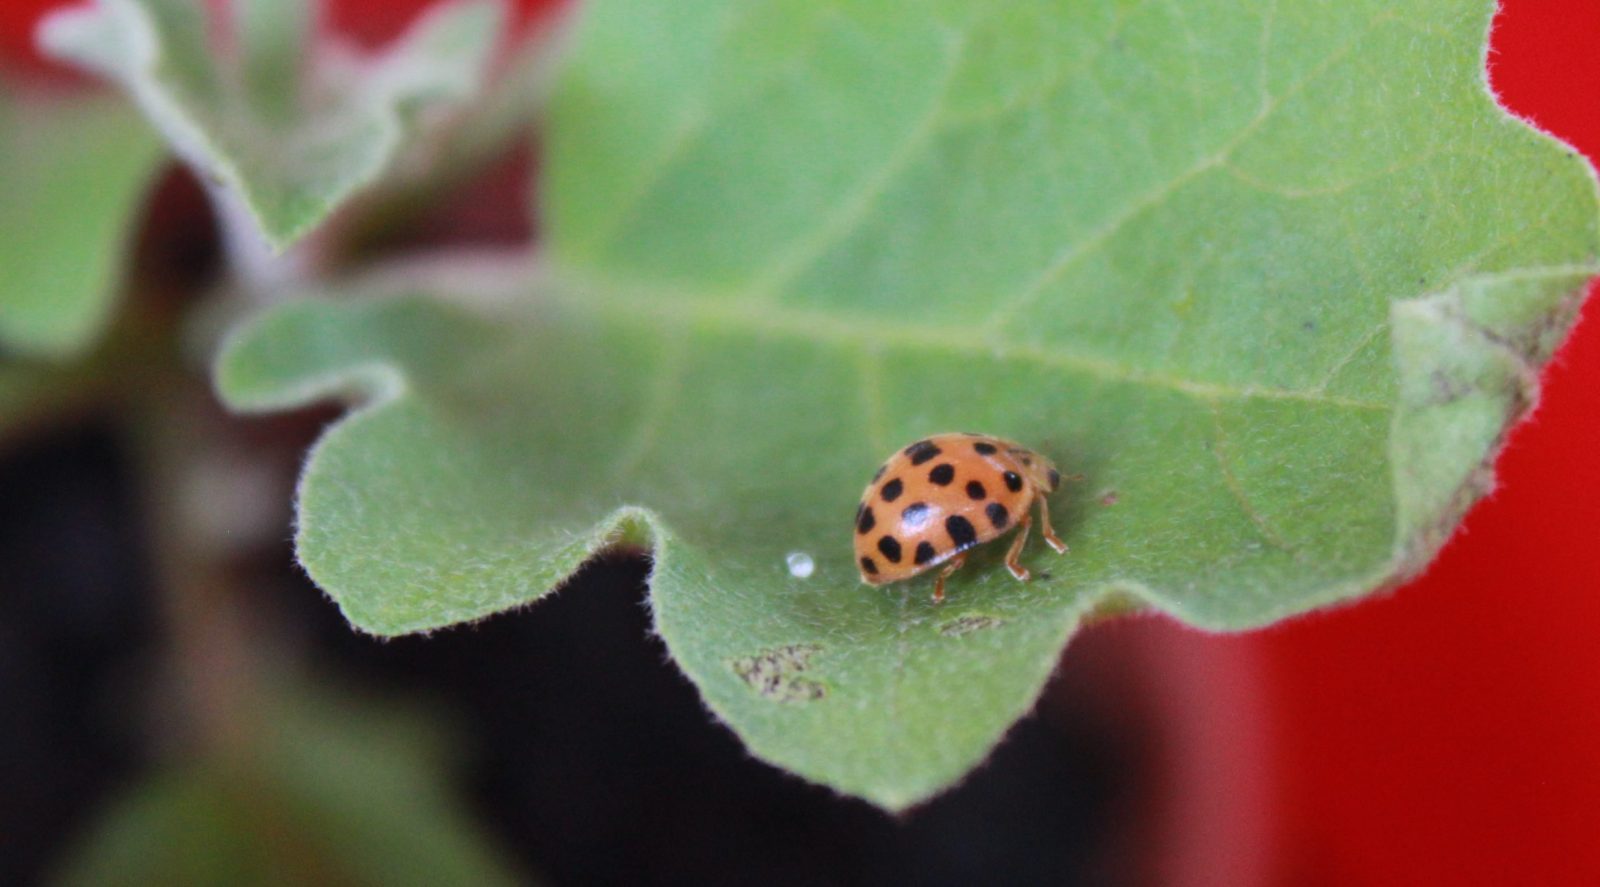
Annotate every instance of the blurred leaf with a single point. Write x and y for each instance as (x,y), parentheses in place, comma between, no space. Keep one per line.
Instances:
(501,120)
(1275,277)
(290,128)
(323,795)
(75,171)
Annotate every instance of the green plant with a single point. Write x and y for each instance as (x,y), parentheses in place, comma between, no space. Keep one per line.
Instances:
(1274,277)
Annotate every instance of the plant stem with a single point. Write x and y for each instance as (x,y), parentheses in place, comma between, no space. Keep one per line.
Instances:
(261,273)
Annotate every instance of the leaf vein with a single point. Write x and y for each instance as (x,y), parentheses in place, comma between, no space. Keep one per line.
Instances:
(1350,356)
(665,393)
(853,211)
(1221,452)
(732,317)
(692,126)
(869,365)
(1011,307)
(1049,88)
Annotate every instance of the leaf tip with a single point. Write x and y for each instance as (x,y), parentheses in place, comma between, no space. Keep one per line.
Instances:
(66,33)
(266,364)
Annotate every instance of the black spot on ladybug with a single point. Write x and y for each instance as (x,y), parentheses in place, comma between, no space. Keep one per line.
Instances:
(891,490)
(942,474)
(1055,479)
(997,515)
(868,567)
(961,531)
(865,521)
(922,451)
(879,473)
(923,554)
(976,491)
(985,448)
(915,517)
(1013,481)
(890,546)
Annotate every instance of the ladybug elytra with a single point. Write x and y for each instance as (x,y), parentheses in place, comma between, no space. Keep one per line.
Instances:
(938,498)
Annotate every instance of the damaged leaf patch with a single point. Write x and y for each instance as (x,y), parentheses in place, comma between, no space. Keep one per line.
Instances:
(778,674)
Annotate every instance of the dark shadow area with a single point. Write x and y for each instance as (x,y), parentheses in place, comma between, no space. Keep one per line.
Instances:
(599,765)
(76,635)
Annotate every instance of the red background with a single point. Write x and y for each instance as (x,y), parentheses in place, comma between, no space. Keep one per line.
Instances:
(1448,732)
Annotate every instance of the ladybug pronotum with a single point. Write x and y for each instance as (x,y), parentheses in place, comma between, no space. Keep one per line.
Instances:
(940,497)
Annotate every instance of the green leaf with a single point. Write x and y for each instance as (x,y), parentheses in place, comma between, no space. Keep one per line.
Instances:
(343,794)
(1275,278)
(74,174)
(290,129)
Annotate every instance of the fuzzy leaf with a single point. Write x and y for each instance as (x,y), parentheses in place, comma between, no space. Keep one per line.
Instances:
(1275,278)
(289,128)
(74,173)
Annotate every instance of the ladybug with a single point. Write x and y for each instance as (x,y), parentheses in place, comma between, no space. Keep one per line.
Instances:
(943,495)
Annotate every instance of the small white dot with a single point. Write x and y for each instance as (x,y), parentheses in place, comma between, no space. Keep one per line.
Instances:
(800,564)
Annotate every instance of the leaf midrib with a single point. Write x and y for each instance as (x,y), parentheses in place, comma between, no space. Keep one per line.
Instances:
(866,337)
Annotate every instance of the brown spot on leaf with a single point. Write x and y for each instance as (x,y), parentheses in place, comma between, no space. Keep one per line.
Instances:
(970,623)
(1445,389)
(778,674)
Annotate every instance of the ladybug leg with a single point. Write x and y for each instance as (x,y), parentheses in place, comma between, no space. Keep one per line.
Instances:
(938,583)
(1047,531)
(1015,566)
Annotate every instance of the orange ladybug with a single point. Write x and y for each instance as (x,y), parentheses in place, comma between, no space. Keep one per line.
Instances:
(941,496)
